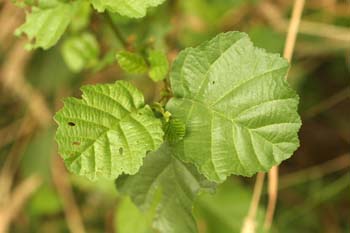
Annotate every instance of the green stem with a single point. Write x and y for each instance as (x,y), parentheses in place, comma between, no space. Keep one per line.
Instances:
(116,30)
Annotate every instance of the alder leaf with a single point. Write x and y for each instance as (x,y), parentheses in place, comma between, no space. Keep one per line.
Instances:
(128,214)
(132,62)
(129,8)
(45,24)
(80,51)
(174,130)
(108,132)
(240,113)
(159,65)
(172,184)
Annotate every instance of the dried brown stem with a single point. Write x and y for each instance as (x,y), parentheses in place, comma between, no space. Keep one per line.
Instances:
(10,166)
(10,18)
(316,172)
(288,53)
(12,78)
(249,224)
(71,210)
(337,33)
(328,103)
(13,132)
(17,200)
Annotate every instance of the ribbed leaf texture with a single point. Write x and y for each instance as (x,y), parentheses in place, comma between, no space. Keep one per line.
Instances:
(174,130)
(240,113)
(46,23)
(132,62)
(177,183)
(129,8)
(108,132)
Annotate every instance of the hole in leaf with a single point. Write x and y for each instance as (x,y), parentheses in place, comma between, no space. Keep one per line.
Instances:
(121,150)
(76,143)
(71,123)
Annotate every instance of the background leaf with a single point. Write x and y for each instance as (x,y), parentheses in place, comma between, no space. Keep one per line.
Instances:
(129,8)
(159,65)
(107,132)
(175,182)
(45,25)
(132,62)
(226,210)
(81,52)
(240,113)
(174,130)
(130,219)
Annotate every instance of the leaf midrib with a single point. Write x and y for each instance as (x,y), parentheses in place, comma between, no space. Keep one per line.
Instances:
(117,124)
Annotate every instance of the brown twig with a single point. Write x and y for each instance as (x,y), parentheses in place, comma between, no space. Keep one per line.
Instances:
(71,210)
(274,17)
(13,132)
(293,29)
(316,172)
(337,8)
(273,192)
(10,166)
(318,49)
(249,224)
(328,103)
(17,200)
(10,18)
(12,78)
(288,53)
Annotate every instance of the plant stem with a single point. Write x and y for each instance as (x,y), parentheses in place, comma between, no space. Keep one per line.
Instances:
(249,222)
(293,29)
(328,103)
(288,53)
(316,172)
(116,30)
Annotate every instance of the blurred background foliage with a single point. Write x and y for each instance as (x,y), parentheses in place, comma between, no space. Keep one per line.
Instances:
(38,195)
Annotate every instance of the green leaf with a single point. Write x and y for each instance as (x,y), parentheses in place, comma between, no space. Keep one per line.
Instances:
(81,52)
(240,113)
(159,65)
(45,201)
(108,132)
(226,210)
(45,24)
(174,130)
(132,62)
(129,8)
(81,18)
(128,214)
(178,185)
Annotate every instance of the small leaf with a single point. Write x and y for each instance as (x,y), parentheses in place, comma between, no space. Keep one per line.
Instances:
(178,183)
(159,65)
(81,18)
(108,132)
(174,130)
(81,52)
(132,62)
(132,9)
(240,113)
(45,24)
